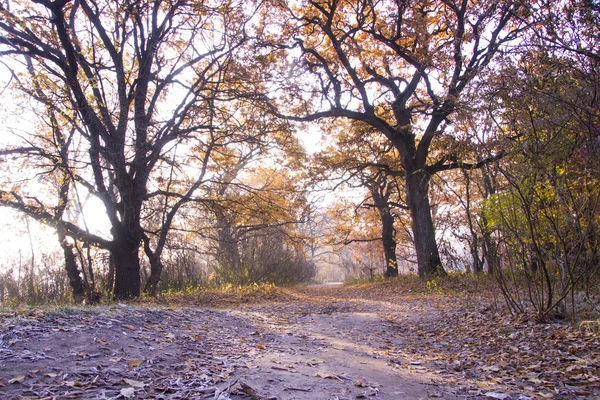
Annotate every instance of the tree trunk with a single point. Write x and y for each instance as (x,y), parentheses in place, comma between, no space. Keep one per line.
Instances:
(417,192)
(77,284)
(477,262)
(380,193)
(228,256)
(490,253)
(156,268)
(110,281)
(388,238)
(127,268)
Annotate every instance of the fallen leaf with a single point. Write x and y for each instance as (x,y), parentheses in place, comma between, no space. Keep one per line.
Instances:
(499,396)
(314,362)
(360,382)
(130,327)
(127,392)
(492,368)
(134,363)
(330,376)
(249,391)
(483,385)
(18,379)
(289,389)
(133,383)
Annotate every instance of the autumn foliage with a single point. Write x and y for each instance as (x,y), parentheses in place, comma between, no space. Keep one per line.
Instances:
(169,144)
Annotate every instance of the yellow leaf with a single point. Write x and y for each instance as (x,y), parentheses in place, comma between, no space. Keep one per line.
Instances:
(483,385)
(18,379)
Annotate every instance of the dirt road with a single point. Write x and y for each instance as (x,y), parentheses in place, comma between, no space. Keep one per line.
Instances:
(321,346)
(317,342)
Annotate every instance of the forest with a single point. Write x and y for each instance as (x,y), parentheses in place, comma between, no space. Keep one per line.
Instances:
(171,144)
(227,151)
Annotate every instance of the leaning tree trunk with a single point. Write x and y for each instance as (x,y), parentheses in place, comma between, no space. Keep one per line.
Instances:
(78,285)
(156,267)
(417,193)
(380,194)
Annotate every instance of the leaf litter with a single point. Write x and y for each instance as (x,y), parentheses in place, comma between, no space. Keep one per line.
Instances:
(316,342)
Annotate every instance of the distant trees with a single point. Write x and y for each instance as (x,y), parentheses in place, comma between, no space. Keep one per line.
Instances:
(256,219)
(361,160)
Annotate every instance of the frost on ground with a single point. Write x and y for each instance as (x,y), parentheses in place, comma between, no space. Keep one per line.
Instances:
(316,342)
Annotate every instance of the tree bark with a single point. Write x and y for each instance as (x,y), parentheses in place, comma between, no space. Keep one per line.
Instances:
(156,267)
(417,193)
(228,254)
(127,274)
(125,254)
(388,237)
(490,252)
(77,284)
(474,241)
(380,193)
(490,247)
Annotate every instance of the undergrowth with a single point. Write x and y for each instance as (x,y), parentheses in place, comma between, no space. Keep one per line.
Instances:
(454,284)
(222,295)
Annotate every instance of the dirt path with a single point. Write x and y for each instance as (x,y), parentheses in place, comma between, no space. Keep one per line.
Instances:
(322,347)
(329,342)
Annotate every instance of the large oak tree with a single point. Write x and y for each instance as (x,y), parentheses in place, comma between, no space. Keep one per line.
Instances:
(132,79)
(398,66)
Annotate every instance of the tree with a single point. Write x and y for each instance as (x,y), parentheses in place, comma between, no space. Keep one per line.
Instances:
(244,136)
(131,79)
(363,160)
(548,211)
(58,177)
(399,67)
(256,220)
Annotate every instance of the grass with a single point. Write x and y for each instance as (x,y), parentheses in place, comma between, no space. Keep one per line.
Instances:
(455,284)
(468,287)
(219,296)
